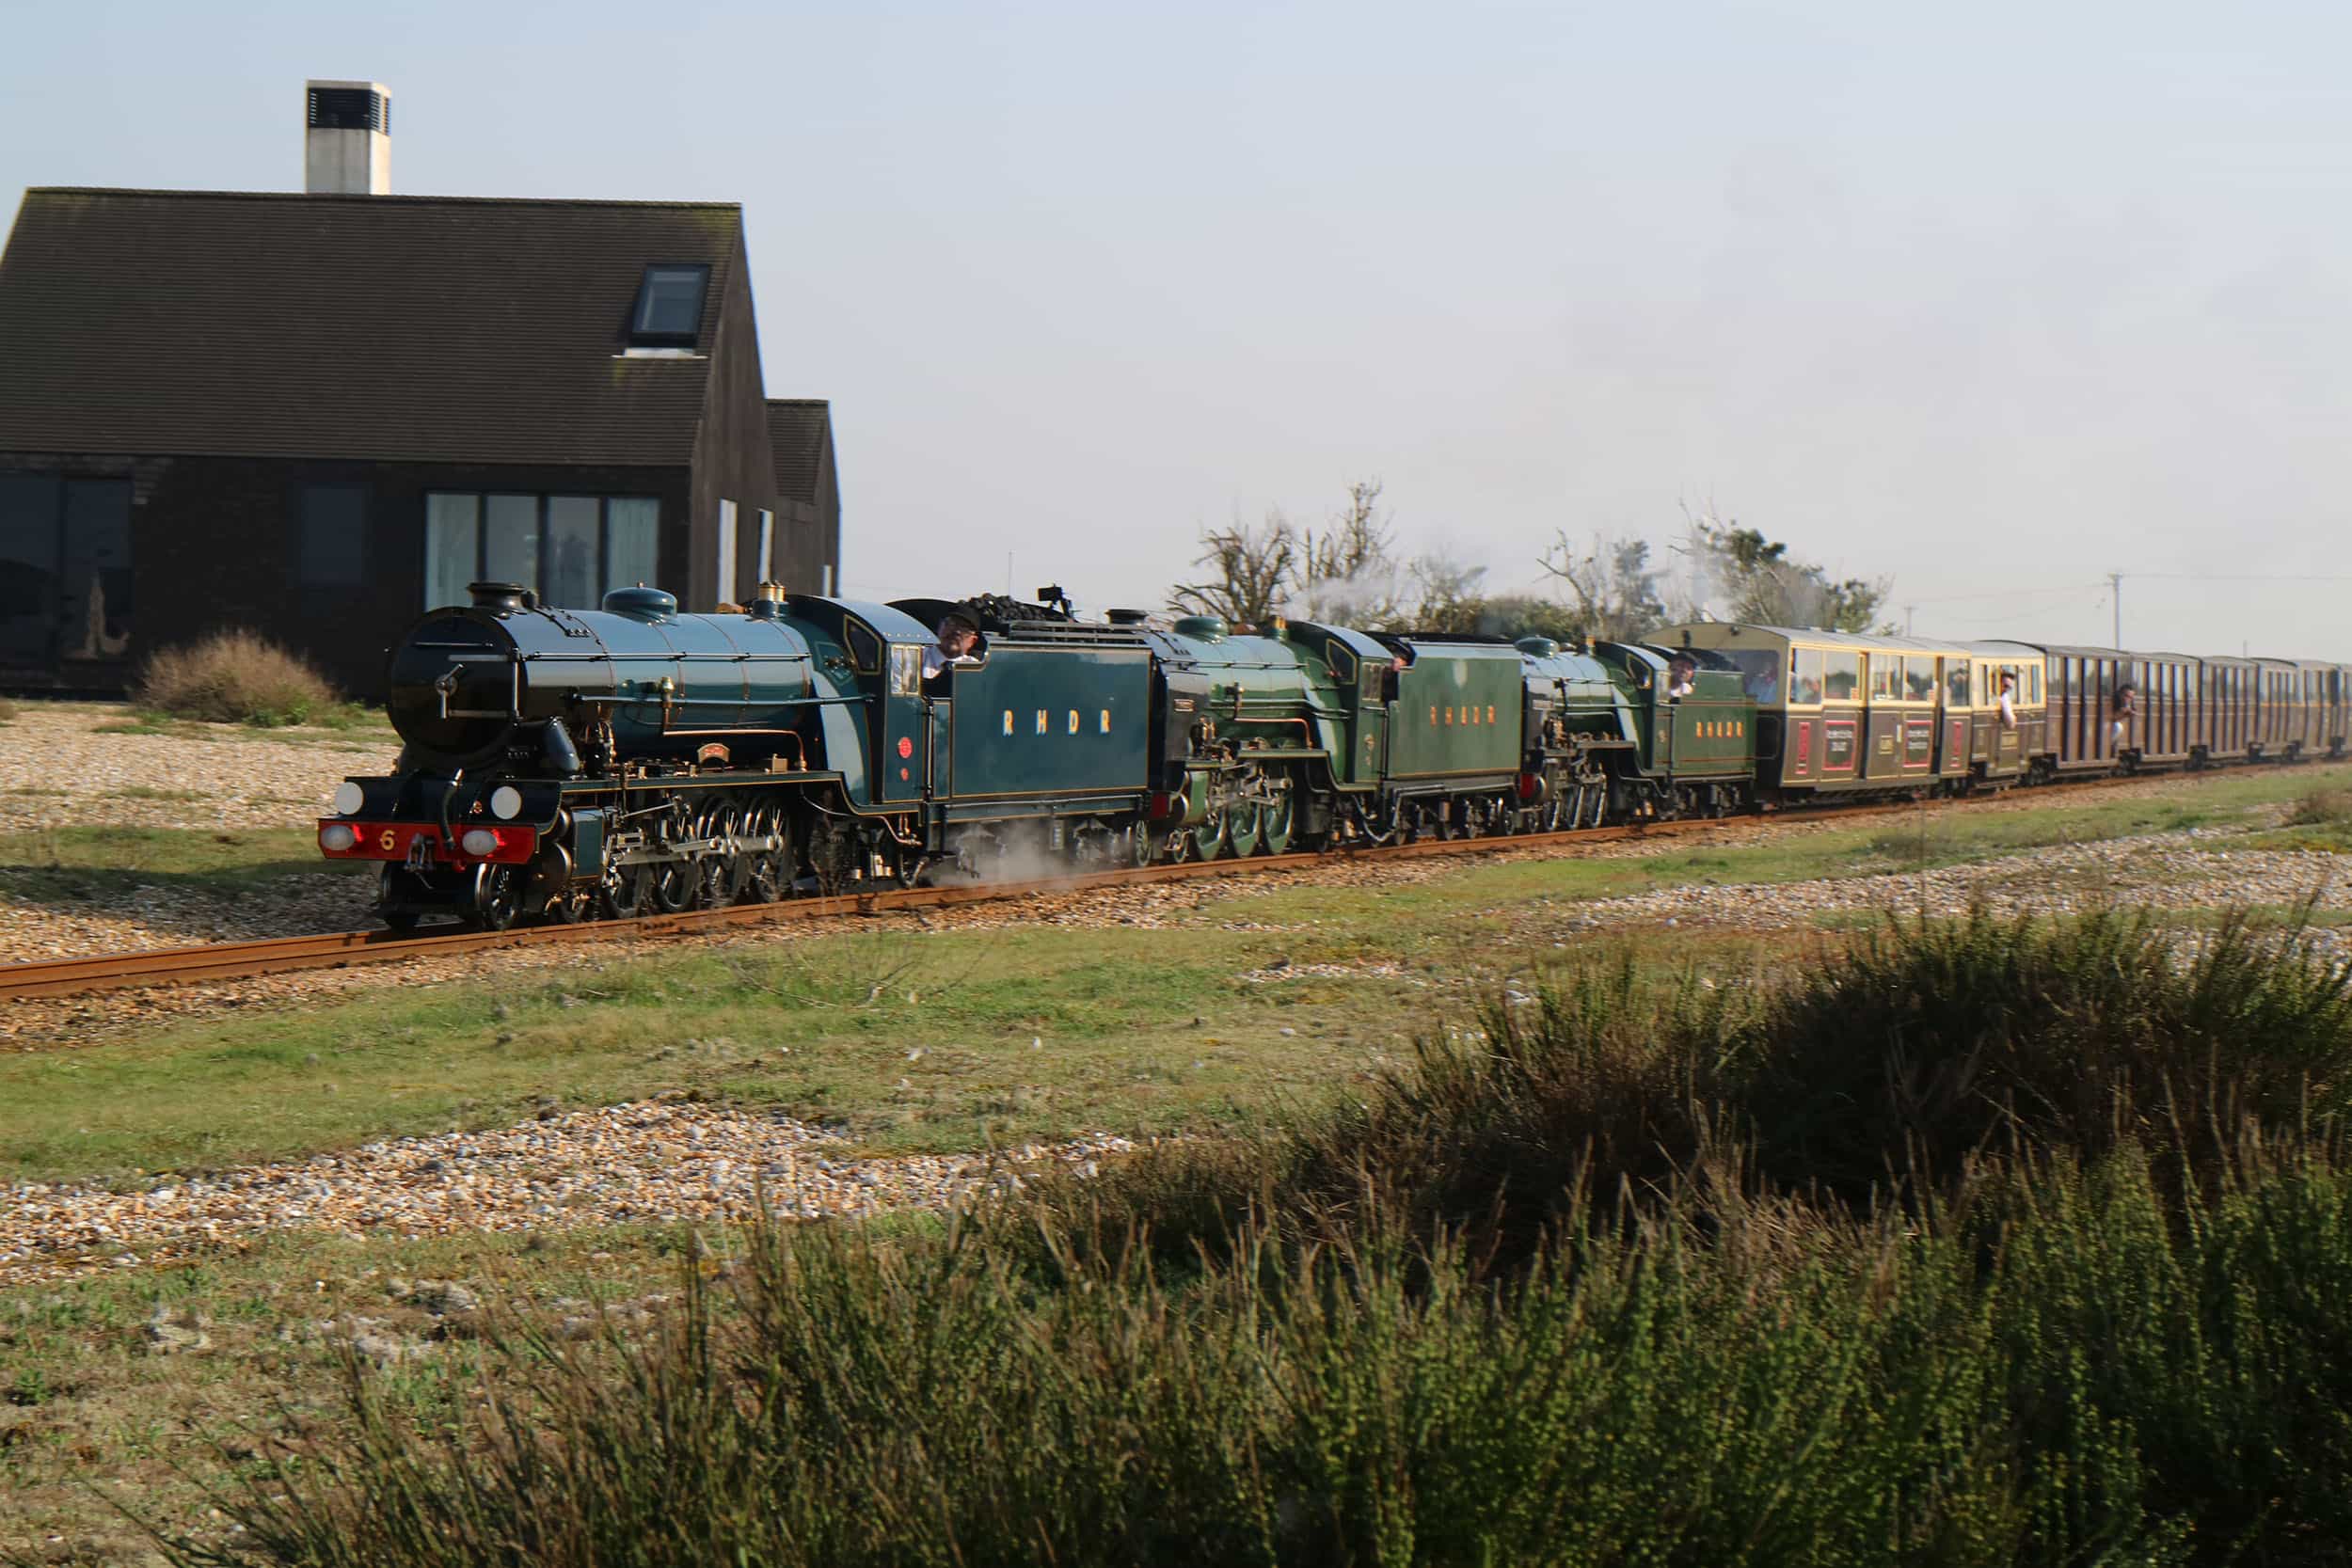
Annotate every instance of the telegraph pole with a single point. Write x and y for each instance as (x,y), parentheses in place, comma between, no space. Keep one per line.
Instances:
(2115,597)
(1907,609)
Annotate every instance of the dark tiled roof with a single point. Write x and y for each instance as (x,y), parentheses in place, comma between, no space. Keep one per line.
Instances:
(435,328)
(797,430)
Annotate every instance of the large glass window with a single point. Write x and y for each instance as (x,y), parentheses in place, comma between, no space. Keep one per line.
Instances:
(631,541)
(452,547)
(30,550)
(1956,683)
(575,537)
(333,528)
(1886,676)
(1919,677)
(727,550)
(570,551)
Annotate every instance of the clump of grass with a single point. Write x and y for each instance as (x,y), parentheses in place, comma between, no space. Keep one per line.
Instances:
(2330,806)
(8,710)
(234,677)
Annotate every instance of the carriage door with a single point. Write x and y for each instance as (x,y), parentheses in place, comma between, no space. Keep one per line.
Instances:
(904,759)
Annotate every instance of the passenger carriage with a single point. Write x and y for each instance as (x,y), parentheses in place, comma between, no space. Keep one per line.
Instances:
(1839,712)
(2280,719)
(2226,730)
(2323,700)
(2082,683)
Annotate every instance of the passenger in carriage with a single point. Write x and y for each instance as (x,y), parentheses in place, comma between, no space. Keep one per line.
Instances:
(2125,703)
(959,638)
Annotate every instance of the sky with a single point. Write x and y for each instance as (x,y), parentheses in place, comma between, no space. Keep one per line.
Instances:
(1991,301)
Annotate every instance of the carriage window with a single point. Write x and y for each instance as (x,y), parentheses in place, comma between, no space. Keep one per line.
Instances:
(1886,676)
(1919,678)
(1804,680)
(1759,671)
(1841,676)
(1956,683)
(2033,685)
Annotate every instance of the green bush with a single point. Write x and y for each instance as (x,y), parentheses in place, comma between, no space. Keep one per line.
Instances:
(234,677)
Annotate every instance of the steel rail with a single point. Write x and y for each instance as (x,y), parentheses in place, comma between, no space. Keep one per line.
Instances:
(233,960)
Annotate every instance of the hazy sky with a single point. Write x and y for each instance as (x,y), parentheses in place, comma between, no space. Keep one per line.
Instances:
(1994,299)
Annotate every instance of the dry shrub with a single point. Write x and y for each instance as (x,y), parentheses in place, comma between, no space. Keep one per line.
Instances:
(234,677)
(2324,807)
(8,710)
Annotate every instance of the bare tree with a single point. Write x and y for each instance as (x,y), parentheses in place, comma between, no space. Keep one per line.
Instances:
(1250,572)
(1446,593)
(1348,573)
(1613,587)
(1750,578)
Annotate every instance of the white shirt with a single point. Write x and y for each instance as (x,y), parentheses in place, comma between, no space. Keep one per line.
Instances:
(935,661)
(2008,712)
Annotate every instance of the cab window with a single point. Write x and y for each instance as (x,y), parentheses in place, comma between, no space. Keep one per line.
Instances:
(906,670)
(865,647)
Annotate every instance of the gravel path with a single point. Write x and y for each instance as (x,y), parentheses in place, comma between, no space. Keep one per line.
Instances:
(2193,869)
(57,768)
(655,1161)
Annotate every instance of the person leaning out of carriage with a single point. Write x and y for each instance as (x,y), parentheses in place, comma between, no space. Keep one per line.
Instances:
(2006,692)
(2120,712)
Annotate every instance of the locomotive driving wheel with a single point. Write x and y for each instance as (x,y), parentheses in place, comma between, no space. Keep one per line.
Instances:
(1242,827)
(764,870)
(624,891)
(1274,826)
(720,879)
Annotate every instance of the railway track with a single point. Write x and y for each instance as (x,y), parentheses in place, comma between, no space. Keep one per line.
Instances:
(231,960)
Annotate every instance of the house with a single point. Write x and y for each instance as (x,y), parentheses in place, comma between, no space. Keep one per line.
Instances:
(317,415)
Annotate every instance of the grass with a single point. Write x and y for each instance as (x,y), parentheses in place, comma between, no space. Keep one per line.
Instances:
(74,863)
(1481,1317)
(807,1025)
(8,710)
(344,722)
(1170,1028)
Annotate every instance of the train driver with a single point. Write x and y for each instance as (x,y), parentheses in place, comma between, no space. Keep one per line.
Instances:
(1681,670)
(958,635)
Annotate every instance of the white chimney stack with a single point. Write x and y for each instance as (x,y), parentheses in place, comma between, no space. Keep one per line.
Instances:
(347,150)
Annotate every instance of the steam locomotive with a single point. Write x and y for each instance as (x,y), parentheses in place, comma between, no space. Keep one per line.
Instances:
(565,765)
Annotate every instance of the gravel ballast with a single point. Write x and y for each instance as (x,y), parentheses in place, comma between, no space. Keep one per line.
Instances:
(651,1162)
